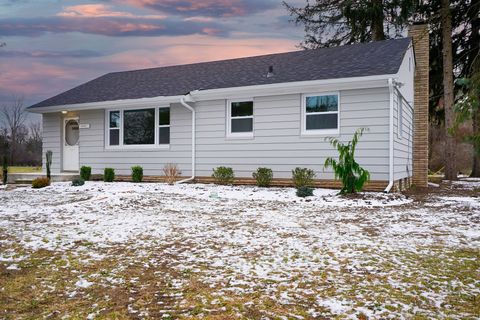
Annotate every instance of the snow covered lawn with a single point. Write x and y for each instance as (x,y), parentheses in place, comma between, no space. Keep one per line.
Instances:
(125,250)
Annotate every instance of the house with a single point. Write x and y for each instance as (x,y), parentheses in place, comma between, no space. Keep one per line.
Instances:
(266,111)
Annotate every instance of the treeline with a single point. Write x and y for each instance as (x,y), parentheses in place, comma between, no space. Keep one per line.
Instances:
(20,143)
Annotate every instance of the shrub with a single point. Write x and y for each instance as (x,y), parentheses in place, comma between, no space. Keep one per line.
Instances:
(171,172)
(108,174)
(85,173)
(263,176)
(78,182)
(40,182)
(223,175)
(137,174)
(304,191)
(303,177)
(4,170)
(347,169)
(48,162)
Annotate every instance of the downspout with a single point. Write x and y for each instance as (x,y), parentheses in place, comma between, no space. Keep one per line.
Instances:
(390,162)
(186,105)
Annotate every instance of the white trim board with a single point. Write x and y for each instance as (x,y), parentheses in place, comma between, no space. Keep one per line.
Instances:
(233,93)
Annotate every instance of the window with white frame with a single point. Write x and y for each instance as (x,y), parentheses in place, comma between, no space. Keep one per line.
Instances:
(114,128)
(138,127)
(400,117)
(240,118)
(321,113)
(164,125)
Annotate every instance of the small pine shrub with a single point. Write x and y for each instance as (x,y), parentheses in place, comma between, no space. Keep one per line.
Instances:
(85,173)
(171,172)
(40,182)
(78,182)
(5,170)
(137,174)
(263,177)
(304,191)
(223,175)
(48,162)
(303,177)
(108,175)
(353,176)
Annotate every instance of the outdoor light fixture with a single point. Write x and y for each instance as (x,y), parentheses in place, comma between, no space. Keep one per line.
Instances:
(64,112)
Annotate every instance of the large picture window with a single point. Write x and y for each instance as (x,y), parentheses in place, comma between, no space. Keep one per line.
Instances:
(240,118)
(321,113)
(138,127)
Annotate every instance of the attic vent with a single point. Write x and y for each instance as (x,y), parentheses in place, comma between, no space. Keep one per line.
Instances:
(270,72)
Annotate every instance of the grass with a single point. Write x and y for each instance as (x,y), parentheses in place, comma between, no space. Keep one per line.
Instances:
(45,285)
(20,169)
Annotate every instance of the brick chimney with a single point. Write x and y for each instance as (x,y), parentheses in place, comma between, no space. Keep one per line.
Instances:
(420,39)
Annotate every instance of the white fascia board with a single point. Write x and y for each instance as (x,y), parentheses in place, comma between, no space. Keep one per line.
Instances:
(234,92)
(134,103)
(293,87)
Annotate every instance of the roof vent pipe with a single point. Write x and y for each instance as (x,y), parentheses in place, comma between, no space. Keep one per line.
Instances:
(270,72)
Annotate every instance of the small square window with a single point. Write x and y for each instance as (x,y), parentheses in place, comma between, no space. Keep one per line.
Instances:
(321,113)
(240,118)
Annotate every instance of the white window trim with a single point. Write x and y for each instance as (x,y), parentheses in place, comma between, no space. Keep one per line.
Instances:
(107,135)
(239,135)
(122,146)
(157,134)
(319,132)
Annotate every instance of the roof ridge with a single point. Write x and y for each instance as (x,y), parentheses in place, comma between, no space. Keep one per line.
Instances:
(261,55)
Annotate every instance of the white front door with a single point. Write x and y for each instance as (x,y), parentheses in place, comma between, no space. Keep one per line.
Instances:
(71,134)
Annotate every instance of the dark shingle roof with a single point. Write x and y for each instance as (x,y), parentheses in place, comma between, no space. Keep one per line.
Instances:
(375,58)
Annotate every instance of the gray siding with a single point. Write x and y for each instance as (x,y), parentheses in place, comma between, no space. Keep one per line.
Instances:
(403,143)
(93,152)
(52,135)
(278,143)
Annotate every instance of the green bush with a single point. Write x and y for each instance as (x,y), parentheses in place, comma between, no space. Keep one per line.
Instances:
(303,177)
(40,182)
(263,176)
(223,175)
(78,182)
(137,174)
(108,174)
(346,168)
(85,173)
(304,191)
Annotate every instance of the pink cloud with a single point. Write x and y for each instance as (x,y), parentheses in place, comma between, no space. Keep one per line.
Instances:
(35,78)
(38,80)
(212,8)
(100,10)
(192,49)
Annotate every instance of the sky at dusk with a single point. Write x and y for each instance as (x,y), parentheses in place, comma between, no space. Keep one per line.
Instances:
(54,45)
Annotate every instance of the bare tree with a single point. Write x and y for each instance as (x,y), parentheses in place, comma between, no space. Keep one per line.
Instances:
(13,117)
(35,129)
(447,54)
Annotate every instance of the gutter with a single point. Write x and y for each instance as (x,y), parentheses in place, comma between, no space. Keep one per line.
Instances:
(186,105)
(391,86)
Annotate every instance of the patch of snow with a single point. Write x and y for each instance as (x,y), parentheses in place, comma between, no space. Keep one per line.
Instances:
(242,240)
(82,283)
(13,267)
